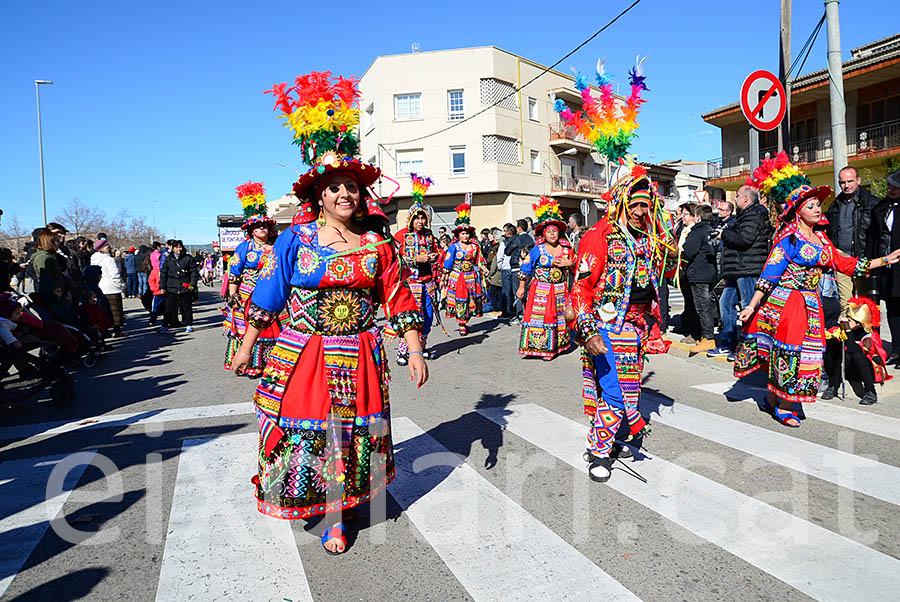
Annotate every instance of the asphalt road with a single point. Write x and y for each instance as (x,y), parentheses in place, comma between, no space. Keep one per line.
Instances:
(140,491)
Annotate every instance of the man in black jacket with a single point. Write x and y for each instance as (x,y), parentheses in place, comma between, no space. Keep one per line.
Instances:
(745,247)
(849,217)
(883,237)
(701,276)
(513,250)
(178,276)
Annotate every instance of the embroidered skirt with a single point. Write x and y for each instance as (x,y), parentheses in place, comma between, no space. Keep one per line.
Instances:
(544,331)
(786,337)
(236,325)
(324,420)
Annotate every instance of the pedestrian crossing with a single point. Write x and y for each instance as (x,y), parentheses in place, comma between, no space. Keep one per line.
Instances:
(493,544)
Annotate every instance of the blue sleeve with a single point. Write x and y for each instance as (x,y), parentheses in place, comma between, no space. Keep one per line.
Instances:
(274,282)
(527,268)
(776,264)
(236,265)
(451,255)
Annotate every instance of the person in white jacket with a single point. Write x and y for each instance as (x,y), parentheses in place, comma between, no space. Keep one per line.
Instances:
(111,282)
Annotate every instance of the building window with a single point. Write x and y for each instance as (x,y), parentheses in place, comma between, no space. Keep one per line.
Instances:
(532,109)
(535,162)
(457,161)
(804,129)
(500,149)
(877,112)
(455,110)
(410,161)
(498,92)
(407,107)
(369,119)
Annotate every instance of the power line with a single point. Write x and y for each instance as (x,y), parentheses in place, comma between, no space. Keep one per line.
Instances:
(517,90)
(806,48)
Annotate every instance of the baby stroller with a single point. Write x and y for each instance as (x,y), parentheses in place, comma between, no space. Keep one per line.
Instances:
(26,371)
(65,342)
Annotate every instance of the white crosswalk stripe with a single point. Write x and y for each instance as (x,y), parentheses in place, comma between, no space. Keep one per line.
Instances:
(216,540)
(495,548)
(841,468)
(851,418)
(814,560)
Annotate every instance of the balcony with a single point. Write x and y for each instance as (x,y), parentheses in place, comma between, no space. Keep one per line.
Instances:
(564,137)
(576,186)
(861,142)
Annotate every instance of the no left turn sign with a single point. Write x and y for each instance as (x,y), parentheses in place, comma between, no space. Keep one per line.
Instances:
(763,100)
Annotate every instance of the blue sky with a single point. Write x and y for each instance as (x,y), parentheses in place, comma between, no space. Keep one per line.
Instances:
(163,100)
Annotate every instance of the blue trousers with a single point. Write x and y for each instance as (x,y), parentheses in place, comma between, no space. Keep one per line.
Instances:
(132,281)
(735,289)
(142,283)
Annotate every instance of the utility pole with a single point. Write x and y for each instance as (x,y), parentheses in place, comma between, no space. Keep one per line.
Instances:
(836,88)
(37,91)
(784,131)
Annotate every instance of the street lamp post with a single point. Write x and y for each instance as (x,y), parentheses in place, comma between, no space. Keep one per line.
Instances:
(153,212)
(37,90)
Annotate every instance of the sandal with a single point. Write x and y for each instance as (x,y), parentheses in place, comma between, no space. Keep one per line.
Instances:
(604,463)
(783,416)
(335,532)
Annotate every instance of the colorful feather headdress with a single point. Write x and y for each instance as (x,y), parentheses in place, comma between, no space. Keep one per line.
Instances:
(609,128)
(322,113)
(420,186)
(463,220)
(253,202)
(546,212)
(784,183)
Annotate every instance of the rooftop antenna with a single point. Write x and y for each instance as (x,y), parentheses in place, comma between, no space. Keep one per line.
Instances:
(416,47)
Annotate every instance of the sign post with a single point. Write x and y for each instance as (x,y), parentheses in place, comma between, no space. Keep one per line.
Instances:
(763,103)
(585,209)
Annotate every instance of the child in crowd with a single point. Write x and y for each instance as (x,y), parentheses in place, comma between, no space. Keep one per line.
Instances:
(862,348)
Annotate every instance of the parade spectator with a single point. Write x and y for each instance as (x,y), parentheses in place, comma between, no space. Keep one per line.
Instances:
(158,302)
(849,217)
(573,231)
(883,236)
(7,270)
(745,246)
(484,241)
(142,273)
(119,257)
(111,283)
(495,277)
(700,256)
(690,321)
(517,239)
(49,280)
(504,264)
(178,277)
(442,232)
(130,272)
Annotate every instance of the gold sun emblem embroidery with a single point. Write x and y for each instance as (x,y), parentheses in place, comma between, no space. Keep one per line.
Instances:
(341,312)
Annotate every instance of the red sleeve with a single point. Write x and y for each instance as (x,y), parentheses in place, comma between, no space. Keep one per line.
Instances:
(591,264)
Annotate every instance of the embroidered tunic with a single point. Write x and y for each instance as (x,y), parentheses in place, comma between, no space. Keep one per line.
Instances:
(420,279)
(322,404)
(465,291)
(544,331)
(787,335)
(243,268)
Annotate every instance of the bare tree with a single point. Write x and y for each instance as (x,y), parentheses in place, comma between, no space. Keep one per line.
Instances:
(80,219)
(15,232)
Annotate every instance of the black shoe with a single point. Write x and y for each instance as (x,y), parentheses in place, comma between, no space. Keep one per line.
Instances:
(620,450)
(868,398)
(829,393)
(429,355)
(402,360)
(600,469)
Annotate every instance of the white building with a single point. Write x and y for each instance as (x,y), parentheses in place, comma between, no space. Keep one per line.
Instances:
(457,117)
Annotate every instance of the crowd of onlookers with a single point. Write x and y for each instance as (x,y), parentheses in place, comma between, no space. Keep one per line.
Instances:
(82,282)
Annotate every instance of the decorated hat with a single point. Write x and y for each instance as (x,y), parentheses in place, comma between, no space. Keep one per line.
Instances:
(864,311)
(608,126)
(420,186)
(784,183)
(546,210)
(253,201)
(463,220)
(322,112)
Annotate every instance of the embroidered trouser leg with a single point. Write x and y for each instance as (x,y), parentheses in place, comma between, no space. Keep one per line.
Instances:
(618,374)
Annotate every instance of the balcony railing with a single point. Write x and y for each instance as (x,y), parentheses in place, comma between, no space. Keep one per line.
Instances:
(867,139)
(578,184)
(560,131)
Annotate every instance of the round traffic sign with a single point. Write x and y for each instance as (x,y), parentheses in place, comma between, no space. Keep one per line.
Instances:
(763,100)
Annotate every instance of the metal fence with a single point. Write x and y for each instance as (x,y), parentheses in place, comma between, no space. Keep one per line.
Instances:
(560,131)
(580,184)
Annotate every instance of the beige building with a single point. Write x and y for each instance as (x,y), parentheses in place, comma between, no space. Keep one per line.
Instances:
(872,94)
(457,117)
